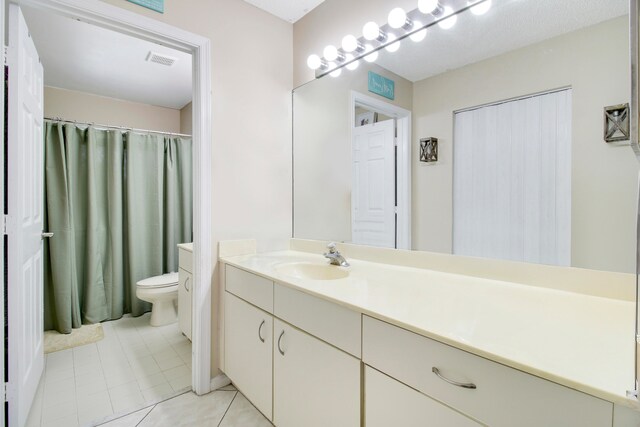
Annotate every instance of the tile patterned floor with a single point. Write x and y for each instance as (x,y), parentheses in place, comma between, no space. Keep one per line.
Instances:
(222,408)
(134,366)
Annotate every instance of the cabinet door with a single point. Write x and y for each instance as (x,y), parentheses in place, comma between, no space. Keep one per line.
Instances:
(185,282)
(390,403)
(315,384)
(248,351)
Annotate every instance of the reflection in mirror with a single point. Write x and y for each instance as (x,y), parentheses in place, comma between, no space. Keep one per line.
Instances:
(515,99)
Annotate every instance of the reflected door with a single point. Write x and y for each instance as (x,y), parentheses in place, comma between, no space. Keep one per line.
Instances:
(373,198)
(25,164)
(512,180)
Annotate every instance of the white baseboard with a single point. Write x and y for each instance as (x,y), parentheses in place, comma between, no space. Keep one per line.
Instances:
(219,381)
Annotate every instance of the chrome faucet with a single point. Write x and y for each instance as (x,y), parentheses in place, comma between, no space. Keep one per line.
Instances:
(335,258)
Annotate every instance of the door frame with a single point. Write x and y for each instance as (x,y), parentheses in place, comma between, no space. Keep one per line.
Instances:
(117,19)
(403,161)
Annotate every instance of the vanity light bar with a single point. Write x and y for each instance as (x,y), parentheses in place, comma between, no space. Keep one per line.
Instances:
(388,36)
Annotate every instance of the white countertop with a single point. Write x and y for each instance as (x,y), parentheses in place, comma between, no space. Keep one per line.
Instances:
(580,341)
(186,246)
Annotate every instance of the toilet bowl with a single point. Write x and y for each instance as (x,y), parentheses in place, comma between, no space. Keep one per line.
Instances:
(162,292)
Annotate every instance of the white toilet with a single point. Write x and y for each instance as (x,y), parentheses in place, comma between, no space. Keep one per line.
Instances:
(162,292)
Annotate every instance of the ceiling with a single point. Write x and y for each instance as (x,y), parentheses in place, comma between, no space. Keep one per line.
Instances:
(509,25)
(87,58)
(289,10)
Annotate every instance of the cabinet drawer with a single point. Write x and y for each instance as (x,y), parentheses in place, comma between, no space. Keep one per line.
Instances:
(250,287)
(330,322)
(185,260)
(390,403)
(503,397)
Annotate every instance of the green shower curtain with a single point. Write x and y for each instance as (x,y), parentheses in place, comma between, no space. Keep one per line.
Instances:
(118,203)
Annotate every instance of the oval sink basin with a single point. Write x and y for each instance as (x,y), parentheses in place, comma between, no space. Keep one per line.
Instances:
(312,271)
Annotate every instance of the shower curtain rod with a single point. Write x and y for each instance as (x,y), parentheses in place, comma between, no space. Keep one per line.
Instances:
(58,119)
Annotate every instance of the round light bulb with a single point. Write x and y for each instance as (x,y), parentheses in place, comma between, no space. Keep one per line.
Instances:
(371,31)
(372,56)
(482,8)
(393,47)
(314,62)
(336,72)
(349,43)
(397,18)
(427,6)
(449,22)
(330,53)
(348,57)
(420,35)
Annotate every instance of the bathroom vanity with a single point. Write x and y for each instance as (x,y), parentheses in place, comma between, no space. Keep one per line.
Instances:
(379,344)
(185,285)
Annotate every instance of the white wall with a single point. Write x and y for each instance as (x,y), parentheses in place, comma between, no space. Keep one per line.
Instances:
(85,107)
(594,62)
(322,151)
(251,117)
(186,119)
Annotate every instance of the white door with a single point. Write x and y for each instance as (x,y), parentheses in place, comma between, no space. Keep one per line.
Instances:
(25,192)
(373,197)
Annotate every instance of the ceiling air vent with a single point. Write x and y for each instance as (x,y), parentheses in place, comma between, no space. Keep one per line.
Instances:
(161,59)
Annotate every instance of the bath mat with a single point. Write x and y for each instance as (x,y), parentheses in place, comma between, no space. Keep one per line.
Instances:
(87,334)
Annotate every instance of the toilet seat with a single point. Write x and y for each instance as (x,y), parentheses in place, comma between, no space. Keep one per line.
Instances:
(156,282)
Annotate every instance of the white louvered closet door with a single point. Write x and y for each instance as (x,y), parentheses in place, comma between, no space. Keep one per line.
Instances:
(512,180)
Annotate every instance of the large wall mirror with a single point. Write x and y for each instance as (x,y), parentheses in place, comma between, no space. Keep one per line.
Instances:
(515,98)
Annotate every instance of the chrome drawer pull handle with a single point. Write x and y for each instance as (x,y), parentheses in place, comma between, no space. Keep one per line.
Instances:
(185,284)
(279,339)
(260,331)
(455,383)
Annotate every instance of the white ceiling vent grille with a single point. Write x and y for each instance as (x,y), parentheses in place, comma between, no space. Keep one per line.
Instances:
(161,59)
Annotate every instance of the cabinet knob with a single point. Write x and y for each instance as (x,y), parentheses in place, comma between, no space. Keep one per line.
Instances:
(260,331)
(455,383)
(280,339)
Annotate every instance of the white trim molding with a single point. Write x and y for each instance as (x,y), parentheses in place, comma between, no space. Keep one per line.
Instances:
(99,13)
(403,162)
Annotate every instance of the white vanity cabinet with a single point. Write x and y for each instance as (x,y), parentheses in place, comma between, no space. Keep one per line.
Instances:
(185,286)
(249,351)
(295,365)
(501,396)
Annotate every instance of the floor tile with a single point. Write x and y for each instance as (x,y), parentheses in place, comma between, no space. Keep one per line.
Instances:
(242,413)
(62,410)
(190,410)
(180,383)
(101,398)
(174,362)
(122,403)
(130,420)
(69,421)
(150,381)
(157,393)
(135,365)
(229,387)
(180,371)
(57,374)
